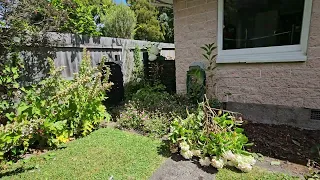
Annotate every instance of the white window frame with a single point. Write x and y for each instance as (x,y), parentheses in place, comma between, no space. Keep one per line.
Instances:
(289,53)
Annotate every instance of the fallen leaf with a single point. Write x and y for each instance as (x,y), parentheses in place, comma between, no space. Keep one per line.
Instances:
(296,142)
(275,163)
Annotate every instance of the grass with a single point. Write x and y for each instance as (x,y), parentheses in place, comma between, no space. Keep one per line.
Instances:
(255,174)
(110,152)
(104,153)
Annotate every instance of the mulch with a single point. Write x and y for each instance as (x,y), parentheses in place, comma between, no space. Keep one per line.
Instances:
(283,142)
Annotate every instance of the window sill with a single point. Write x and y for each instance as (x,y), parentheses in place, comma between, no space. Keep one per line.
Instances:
(263,58)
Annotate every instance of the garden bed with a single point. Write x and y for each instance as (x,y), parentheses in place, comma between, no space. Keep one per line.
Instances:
(283,142)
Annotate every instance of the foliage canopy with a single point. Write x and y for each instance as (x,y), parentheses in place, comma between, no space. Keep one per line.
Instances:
(119,21)
(148,25)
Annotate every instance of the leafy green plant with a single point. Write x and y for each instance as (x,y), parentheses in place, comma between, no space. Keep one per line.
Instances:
(150,110)
(209,55)
(213,136)
(154,124)
(9,86)
(57,109)
(314,170)
(138,64)
(15,137)
(137,81)
(157,125)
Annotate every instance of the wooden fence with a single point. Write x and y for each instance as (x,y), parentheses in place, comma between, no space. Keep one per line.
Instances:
(67,51)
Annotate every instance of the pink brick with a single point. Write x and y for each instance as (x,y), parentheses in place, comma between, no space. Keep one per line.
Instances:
(275,73)
(250,90)
(196,18)
(313,63)
(236,98)
(238,73)
(289,65)
(315,24)
(312,103)
(314,41)
(305,73)
(228,89)
(228,81)
(304,92)
(195,3)
(180,5)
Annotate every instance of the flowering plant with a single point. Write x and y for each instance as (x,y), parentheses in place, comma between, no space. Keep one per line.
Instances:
(153,53)
(213,136)
(55,110)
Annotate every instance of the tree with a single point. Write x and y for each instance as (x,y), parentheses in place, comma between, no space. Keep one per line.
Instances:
(81,16)
(166,22)
(119,21)
(148,25)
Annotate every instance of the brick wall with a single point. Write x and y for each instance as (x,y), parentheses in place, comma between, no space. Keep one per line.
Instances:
(195,25)
(288,84)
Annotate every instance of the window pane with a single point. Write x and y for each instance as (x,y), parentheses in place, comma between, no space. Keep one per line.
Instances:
(262,23)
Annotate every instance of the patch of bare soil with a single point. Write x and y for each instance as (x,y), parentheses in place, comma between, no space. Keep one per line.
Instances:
(283,142)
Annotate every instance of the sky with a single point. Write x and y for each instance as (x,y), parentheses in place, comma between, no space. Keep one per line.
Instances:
(119,1)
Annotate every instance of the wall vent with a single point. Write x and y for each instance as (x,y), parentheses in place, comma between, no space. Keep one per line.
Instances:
(315,114)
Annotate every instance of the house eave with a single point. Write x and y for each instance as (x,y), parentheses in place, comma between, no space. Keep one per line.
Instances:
(167,3)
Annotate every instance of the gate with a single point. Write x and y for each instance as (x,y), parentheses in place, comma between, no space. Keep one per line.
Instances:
(116,94)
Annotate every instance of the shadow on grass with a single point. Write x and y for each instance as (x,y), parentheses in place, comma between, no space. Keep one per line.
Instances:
(15,171)
(164,149)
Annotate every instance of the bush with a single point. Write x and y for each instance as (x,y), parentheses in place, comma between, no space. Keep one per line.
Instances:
(155,124)
(151,109)
(56,109)
(212,136)
(155,98)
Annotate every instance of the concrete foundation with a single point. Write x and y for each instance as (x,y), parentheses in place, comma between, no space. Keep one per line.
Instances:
(275,114)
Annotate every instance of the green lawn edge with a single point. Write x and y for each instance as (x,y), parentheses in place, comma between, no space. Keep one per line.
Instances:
(104,153)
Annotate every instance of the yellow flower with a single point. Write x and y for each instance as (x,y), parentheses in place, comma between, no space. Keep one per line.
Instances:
(62,139)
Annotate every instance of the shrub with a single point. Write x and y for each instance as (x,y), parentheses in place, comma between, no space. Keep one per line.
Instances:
(151,109)
(9,74)
(212,136)
(15,137)
(57,109)
(155,124)
(137,81)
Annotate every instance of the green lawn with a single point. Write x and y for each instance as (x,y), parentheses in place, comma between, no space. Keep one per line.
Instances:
(255,174)
(110,152)
(104,153)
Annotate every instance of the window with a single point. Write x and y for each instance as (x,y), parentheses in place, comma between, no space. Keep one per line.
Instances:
(263,31)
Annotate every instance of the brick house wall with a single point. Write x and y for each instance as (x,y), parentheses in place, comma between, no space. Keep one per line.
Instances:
(286,85)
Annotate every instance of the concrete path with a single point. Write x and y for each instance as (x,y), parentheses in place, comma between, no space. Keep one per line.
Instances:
(176,168)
